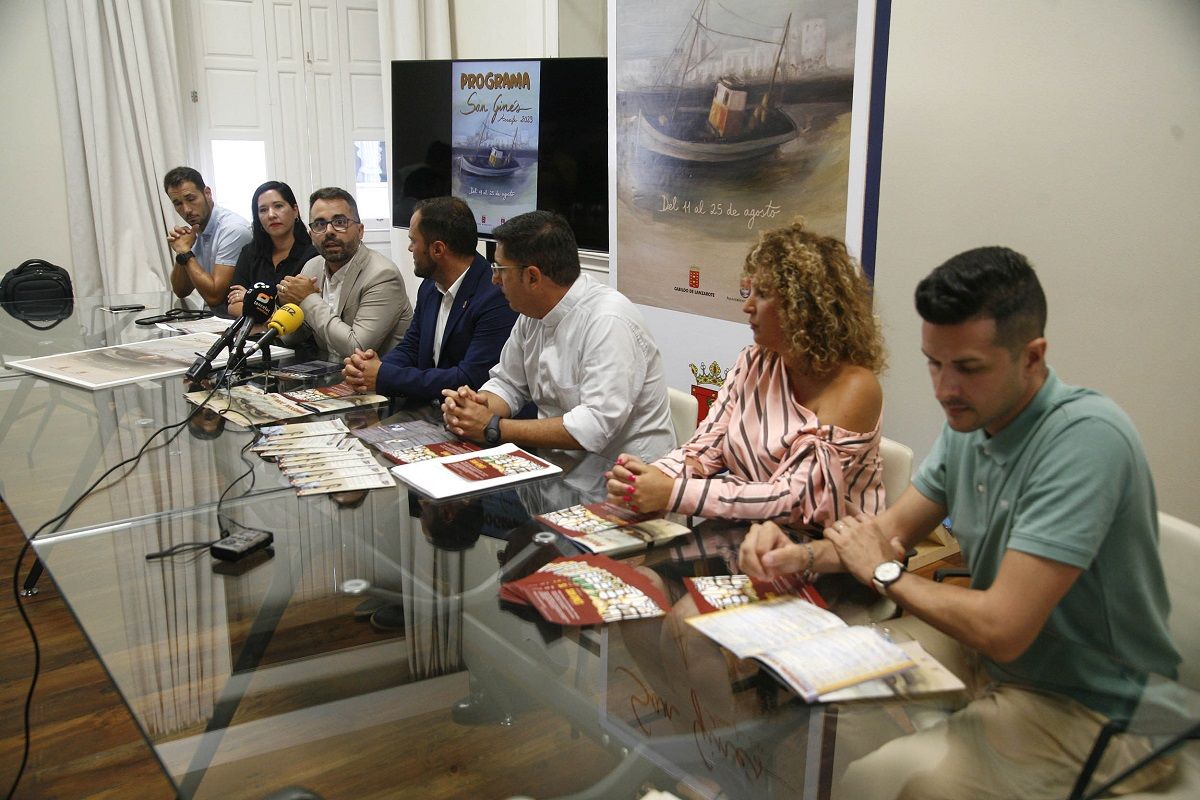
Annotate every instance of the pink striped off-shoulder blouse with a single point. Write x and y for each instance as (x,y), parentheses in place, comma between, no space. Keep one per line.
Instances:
(760,455)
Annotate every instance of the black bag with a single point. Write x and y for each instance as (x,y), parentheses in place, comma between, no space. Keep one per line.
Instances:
(38,291)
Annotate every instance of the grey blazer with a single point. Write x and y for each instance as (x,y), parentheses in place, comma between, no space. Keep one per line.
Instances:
(373,309)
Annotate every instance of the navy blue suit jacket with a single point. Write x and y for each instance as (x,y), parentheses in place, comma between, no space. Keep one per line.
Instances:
(476,330)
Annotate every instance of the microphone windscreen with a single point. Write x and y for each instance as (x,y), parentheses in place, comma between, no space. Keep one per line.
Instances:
(260,303)
(286,319)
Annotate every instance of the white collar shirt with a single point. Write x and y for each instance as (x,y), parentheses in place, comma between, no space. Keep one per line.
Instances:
(591,361)
(447,303)
(331,287)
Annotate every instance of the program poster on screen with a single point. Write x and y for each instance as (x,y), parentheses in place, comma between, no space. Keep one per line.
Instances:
(495,130)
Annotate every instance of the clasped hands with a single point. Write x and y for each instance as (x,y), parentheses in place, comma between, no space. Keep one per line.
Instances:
(638,485)
(361,370)
(181,238)
(465,412)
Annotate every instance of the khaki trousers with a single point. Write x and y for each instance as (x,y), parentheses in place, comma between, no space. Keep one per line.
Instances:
(1007,741)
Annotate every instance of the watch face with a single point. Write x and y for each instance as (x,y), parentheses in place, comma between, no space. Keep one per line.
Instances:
(888,572)
(491,434)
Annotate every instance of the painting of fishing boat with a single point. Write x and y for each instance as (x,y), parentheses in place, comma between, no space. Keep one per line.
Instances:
(743,121)
(730,119)
(497,163)
(491,158)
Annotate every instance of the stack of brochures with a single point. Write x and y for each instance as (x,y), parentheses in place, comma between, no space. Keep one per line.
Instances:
(587,590)
(248,405)
(611,529)
(466,473)
(322,457)
(412,441)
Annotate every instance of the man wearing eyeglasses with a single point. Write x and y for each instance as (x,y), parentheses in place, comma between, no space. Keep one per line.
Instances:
(461,319)
(353,298)
(580,350)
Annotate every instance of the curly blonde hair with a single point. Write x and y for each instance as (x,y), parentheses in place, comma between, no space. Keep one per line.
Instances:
(825,300)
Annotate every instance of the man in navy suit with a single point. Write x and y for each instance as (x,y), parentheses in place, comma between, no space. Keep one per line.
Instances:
(461,320)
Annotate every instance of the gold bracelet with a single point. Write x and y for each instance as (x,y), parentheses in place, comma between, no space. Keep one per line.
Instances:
(809,575)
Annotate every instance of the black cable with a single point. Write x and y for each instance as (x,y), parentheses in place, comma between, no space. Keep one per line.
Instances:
(61,519)
(37,665)
(179,548)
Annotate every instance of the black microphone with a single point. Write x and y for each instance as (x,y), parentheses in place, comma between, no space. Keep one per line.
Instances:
(257,307)
(202,366)
(260,302)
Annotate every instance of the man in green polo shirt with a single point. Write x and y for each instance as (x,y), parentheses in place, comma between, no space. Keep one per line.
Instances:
(1052,501)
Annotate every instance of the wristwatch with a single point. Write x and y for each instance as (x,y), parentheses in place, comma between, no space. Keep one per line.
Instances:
(886,574)
(182,258)
(491,431)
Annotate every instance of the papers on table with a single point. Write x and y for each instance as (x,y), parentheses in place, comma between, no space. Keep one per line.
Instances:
(456,475)
(117,365)
(808,648)
(416,440)
(715,592)
(206,325)
(926,678)
(333,398)
(611,529)
(248,405)
(587,590)
(322,457)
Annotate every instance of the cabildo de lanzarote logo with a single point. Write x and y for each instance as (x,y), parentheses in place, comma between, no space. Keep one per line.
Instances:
(693,286)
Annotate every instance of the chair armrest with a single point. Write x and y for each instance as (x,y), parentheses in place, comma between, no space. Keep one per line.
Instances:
(940,575)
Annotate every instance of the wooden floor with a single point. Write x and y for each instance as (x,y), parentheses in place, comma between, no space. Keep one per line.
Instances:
(84,742)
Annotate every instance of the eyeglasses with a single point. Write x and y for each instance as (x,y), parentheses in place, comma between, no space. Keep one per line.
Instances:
(340,224)
(498,268)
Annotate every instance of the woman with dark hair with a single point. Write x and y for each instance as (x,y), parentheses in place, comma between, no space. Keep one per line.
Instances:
(280,245)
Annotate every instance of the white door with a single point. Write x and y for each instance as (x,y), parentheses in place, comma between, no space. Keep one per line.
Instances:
(288,90)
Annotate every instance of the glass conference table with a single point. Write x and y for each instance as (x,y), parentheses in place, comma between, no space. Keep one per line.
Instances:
(250,678)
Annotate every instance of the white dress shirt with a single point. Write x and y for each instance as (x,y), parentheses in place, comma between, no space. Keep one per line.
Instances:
(592,362)
(331,287)
(439,329)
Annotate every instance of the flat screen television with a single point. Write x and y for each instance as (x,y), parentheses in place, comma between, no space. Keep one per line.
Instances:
(506,135)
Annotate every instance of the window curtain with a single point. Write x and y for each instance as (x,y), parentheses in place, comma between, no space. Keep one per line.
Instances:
(121,114)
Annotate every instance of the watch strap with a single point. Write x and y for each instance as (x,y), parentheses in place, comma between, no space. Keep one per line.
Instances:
(491,431)
(183,258)
(882,586)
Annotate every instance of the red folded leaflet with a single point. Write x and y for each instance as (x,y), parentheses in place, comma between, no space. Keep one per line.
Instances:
(713,593)
(587,590)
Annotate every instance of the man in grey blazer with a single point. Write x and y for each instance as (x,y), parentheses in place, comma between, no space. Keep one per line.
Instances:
(353,298)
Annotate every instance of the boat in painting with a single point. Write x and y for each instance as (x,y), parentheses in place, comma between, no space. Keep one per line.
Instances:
(744,119)
(491,159)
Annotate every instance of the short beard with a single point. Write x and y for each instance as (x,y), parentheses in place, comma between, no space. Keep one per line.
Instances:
(343,258)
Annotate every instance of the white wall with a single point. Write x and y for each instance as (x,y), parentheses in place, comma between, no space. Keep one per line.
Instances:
(33,205)
(1069,131)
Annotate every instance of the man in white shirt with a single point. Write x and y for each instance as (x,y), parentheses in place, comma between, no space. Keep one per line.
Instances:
(207,248)
(579,350)
(353,298)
